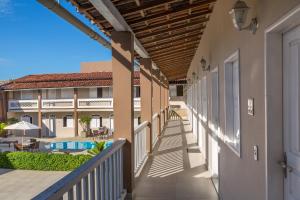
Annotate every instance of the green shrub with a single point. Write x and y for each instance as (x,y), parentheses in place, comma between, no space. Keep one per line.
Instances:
(41,161)
(97,149)
(2,131)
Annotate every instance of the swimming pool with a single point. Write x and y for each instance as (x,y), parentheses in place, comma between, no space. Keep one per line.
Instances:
(71,145)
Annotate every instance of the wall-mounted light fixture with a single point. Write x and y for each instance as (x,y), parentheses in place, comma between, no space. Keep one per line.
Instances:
(239,14)
(204,65)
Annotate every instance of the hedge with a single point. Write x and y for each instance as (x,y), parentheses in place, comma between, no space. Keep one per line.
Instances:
(41,161)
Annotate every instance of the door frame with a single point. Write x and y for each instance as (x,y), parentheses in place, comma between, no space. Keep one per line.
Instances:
(273,71)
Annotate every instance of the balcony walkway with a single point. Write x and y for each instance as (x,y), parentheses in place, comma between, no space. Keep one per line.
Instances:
(176,170)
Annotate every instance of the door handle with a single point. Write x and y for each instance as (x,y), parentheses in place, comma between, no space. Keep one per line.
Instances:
(287,169)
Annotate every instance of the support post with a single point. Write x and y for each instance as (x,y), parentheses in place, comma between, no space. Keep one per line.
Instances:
(156,98)
(76,111)
(40,122)
(3,105)
(122,68)
(146,97)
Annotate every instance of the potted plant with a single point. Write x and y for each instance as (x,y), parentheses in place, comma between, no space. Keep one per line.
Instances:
(85,124)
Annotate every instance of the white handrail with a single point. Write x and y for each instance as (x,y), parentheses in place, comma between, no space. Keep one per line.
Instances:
(99,178)
(140,147)
(141,127)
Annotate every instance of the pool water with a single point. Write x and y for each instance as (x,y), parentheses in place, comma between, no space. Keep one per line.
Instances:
(72,145)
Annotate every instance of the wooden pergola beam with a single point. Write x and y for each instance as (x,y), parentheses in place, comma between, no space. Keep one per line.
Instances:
(146,6)
(175,28)
(175,35)
(173,55)
(171,22)
(183,50)
(171,12)
(189,38)
(186,58)
(172,46)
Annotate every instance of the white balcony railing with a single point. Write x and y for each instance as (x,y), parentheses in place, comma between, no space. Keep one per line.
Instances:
(140,147)
(103,103)
(155,129)
(23,104)
(95,103)
(58,103)
(99,178)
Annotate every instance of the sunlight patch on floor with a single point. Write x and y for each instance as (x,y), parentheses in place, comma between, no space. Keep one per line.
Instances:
(170,142)
(167,164)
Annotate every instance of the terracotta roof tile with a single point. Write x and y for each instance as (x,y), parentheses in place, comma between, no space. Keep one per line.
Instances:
(64,80)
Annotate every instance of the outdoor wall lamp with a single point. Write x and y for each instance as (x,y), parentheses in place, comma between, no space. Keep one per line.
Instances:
(239,14)
(204,65)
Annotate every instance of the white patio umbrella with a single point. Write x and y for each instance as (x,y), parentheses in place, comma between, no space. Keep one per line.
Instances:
(22,125)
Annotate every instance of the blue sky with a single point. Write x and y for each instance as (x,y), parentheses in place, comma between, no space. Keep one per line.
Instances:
(34,40)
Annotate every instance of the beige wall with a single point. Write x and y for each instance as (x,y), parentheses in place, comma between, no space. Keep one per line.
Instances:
(103,66)
(241,178)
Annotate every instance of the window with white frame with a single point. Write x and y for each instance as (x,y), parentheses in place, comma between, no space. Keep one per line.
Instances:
(204,99)
(232,103)
(68,121)
(26,118)
(214,100)
(96,121)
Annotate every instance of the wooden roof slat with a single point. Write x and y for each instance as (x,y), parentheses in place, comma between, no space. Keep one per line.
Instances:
(188,37)
(170,12)
(173,36)
(166,48)
(171,22)
(175,55)
(184,26)
(146,6)
(155,55)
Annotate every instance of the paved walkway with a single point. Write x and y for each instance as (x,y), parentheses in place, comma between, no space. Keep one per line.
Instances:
(25,184)
(176,170)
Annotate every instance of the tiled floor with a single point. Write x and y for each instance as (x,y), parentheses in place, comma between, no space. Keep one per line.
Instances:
(176,170)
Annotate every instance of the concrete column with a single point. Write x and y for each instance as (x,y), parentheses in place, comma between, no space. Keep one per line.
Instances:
(146,97)
(122,68)
(75,111)
(40,122)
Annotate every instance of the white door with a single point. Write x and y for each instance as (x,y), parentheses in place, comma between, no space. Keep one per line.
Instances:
(291,61)
(52,126)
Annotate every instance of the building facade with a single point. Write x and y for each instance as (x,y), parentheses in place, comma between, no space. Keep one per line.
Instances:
(56,102)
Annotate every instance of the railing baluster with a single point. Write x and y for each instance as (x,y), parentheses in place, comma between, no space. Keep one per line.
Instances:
(98,183)
(110,177)
(71,194)
(78,191)
(102,178)
(92,185)
(106,174)
(85,188)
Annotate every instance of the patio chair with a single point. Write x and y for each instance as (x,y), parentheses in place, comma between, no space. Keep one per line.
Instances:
(34,146)
(19,147)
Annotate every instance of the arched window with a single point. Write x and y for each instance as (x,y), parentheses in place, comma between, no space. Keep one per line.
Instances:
(68,121)
(26,118)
